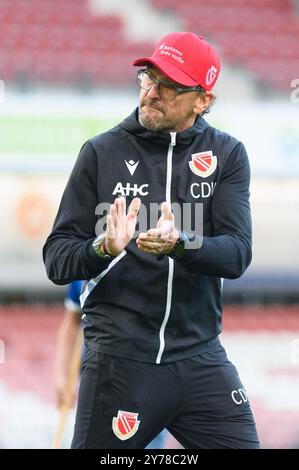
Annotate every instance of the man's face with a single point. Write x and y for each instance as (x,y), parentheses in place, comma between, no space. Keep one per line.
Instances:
(159,114)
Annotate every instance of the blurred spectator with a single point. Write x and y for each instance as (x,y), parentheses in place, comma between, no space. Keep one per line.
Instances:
(67,334)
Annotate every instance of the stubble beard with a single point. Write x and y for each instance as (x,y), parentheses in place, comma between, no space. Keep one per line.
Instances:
(152,119)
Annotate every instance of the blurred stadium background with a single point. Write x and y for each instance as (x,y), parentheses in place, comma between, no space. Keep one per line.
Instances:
(66,75)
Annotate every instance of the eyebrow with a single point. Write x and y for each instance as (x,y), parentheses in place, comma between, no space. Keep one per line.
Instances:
(150,70)
(174,84)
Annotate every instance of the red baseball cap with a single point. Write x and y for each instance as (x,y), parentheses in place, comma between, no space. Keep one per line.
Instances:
(185,58)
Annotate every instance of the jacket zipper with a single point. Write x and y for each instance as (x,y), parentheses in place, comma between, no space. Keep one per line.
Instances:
(170,260)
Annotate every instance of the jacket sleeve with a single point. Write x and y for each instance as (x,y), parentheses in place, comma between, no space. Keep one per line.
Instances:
(228,252)
(68,254)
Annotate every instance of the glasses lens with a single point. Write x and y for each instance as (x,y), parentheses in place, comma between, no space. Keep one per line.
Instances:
(167,92)
(146,81)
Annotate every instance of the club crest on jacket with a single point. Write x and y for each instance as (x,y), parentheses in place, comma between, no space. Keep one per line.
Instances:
(203,163)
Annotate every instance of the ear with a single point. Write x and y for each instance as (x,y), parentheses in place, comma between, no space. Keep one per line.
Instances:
(203,101)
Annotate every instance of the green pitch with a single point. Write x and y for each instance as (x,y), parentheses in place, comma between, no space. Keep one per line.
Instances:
(33,138)
(29,142)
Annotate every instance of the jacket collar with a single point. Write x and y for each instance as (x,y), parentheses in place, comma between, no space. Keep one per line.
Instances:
(131,124)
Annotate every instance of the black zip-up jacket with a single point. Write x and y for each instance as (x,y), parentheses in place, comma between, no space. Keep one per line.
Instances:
(138,305)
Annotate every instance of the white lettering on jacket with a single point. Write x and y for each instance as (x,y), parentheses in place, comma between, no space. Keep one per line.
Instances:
(203,190)
(239,396)
(128,189)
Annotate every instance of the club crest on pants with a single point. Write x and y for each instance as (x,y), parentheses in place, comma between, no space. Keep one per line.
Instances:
(125,425)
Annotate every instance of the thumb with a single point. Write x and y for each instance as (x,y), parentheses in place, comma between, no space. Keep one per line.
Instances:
(166,211)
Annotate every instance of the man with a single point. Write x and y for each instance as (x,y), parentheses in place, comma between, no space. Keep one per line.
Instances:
(152,305)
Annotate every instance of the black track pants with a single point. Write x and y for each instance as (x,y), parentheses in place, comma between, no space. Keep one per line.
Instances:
(124,404)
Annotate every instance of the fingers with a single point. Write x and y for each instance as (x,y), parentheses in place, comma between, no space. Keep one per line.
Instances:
(135,204)
(150,251)
(153,233)
(150,247)
(155,249)
(151,237)
(118,211)
(110,231)
(153,242)
(154,246)
(120,205)
(122,225)
(164,230)
(132,217)
(150,243)
(113,214)
(134,208)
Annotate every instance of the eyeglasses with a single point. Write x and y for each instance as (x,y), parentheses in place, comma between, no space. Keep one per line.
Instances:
(167,90)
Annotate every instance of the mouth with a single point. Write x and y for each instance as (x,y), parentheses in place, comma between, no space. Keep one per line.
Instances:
(152,107)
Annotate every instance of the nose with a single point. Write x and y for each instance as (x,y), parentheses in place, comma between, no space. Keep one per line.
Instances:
(154,92)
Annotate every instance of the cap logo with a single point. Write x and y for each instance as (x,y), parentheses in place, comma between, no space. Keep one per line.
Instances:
(203,163)
(211,75)
(125,425)
(170,51)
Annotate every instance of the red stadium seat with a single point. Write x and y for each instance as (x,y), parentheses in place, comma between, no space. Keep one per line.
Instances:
(53,42)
